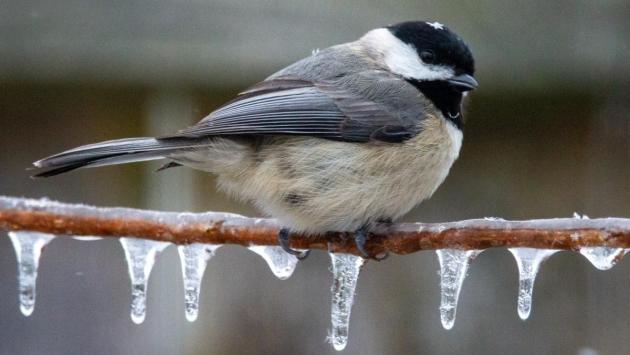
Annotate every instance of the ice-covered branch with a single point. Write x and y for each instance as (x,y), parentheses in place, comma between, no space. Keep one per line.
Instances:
(46,216)
(32,224)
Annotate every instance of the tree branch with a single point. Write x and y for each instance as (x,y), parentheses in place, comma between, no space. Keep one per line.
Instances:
(223,228)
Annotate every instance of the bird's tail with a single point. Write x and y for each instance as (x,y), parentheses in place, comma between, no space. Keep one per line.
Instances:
(113,152)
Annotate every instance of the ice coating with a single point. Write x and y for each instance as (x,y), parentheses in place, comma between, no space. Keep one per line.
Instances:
(345,269)
(28,248)
(453,268)
(602,224)
(281,263)
(172,218)
(194,259)
(528,261)
(603,258)
(140,255)
(233,220)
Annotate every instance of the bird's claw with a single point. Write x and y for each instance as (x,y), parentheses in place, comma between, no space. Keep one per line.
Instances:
(283,240)
(382,256)
(359,241)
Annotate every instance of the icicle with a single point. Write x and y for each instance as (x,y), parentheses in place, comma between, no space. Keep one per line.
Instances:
(281,263)
(345,269)
(453,267)
(603,258)
(193,259)
(28,248)
(140,255)
(528,261)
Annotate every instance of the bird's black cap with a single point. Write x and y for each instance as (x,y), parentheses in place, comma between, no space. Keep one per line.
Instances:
(436,44)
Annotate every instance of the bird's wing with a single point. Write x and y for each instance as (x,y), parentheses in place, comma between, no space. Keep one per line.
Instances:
(345,108)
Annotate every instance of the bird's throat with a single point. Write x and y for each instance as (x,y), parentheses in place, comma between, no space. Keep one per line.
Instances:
(447,99)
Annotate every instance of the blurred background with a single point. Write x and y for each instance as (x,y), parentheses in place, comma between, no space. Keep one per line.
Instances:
(547,134)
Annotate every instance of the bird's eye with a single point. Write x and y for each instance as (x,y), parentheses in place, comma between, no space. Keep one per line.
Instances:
(427,57)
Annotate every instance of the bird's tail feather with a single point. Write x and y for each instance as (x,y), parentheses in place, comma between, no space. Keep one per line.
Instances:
(113,152)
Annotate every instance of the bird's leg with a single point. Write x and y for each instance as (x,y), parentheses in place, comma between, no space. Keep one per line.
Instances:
(387,222)
(359,241)
(283,240)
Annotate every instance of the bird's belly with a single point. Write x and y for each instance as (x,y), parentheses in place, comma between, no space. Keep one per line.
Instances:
(315,185)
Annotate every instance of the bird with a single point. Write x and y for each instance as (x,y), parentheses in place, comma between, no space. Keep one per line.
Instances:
(348,138)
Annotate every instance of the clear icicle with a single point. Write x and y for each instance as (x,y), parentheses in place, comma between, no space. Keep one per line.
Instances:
(281,263)
(453,267)
(528,261)
(603,258)
(193,259)
(345,269)
(28,248)
(140,255)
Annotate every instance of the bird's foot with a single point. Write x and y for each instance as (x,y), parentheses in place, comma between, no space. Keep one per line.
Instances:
(359,241)
(283,240)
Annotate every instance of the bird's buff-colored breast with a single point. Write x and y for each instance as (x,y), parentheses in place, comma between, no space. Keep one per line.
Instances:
(315,185)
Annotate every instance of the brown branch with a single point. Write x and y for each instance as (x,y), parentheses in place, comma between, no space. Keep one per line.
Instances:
(222,228)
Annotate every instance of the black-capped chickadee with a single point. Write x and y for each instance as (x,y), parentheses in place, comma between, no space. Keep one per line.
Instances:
(350,136)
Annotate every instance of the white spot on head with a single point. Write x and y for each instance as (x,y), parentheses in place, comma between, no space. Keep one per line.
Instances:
(436,25)
(402,58)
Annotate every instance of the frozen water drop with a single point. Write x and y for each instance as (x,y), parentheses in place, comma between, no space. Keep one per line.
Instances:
(345,269)
(528,261)
(28,248)
(603,258)
(193,259)
(453,267)
(140,255)
(87,238)
(281,263)
(580,216)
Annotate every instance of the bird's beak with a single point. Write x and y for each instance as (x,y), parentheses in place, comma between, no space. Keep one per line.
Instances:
(463,82)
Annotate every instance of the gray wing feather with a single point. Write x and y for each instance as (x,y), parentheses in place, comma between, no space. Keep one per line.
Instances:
(299,111)
(348,108)
(114,152)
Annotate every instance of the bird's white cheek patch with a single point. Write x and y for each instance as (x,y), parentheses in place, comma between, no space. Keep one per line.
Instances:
(402,58)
